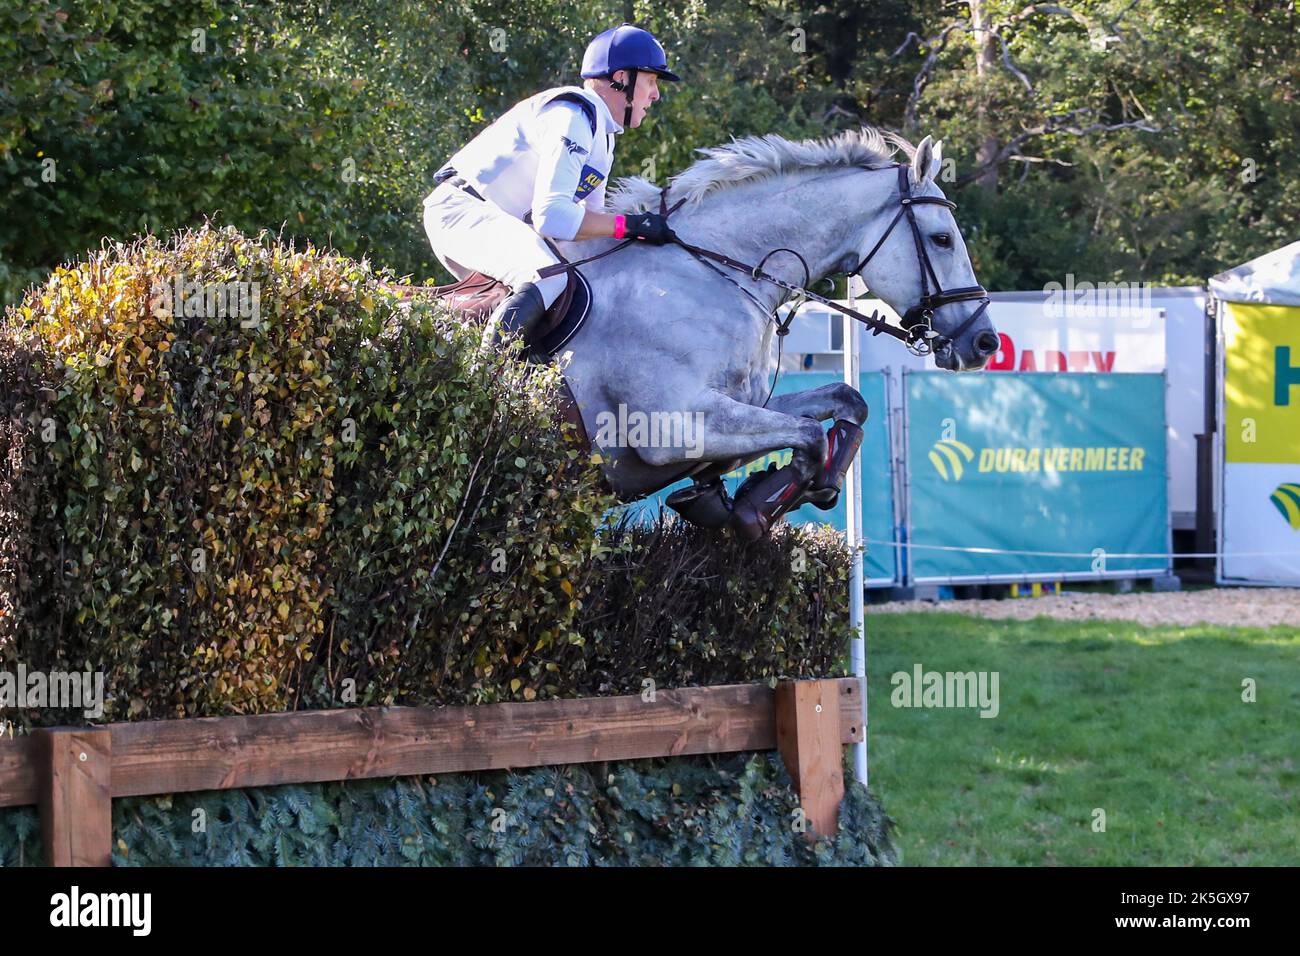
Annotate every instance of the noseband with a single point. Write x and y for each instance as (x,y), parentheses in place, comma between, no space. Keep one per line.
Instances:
(918,321)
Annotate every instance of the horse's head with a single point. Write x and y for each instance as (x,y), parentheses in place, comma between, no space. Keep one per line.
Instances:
(912,256)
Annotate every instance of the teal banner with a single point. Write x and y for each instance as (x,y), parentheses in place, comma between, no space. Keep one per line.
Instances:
(877,486)
(1046,462)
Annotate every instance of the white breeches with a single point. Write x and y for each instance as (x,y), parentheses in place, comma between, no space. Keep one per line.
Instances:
(485,238)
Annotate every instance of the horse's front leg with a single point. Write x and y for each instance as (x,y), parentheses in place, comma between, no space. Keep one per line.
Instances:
(845,404)
(839,401)
(732,430)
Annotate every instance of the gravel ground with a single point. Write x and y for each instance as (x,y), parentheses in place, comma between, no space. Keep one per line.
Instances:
(1234,607)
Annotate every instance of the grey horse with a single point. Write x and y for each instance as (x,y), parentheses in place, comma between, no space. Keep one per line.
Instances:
(672,369)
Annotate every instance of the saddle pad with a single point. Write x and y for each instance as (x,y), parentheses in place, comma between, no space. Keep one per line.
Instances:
(555,335)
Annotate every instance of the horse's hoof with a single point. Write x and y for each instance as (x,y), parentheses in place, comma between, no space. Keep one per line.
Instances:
(824,498)
(705,506)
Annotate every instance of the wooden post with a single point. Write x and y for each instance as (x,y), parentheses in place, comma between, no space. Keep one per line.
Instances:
(76,806)
(809,739)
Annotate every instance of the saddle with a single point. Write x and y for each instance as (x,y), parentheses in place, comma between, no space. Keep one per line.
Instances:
(476,297)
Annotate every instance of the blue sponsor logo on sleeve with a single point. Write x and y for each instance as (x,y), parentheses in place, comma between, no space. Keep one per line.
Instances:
(588,180)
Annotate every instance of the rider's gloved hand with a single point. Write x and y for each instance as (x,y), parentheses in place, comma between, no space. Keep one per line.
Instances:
(649,227)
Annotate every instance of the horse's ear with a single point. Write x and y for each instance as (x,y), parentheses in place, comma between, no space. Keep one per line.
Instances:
(923,163)
(937,164)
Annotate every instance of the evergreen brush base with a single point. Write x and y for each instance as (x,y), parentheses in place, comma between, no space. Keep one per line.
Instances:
(733,810)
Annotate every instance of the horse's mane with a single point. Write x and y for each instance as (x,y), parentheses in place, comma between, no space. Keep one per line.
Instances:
(760,157)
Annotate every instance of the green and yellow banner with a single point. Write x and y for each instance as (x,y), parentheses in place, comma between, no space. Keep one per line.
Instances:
(1260,489)
(1261,392)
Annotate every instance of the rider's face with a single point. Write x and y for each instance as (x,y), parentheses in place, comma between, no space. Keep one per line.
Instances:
(647,92)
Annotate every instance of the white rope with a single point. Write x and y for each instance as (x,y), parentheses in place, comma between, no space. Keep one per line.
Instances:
(1085,554)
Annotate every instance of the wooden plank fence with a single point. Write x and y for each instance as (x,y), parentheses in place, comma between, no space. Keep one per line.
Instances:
(73,774)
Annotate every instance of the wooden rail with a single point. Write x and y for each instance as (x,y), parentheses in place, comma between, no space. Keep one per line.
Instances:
(74,773)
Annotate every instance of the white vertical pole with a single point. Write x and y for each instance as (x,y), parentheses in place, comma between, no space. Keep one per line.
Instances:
(853,531)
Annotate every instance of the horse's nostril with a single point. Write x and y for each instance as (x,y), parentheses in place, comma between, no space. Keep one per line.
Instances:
(987,343)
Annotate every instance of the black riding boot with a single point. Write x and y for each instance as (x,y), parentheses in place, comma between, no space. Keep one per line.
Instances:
(519,313)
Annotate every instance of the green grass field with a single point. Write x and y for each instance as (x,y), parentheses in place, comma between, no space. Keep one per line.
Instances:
(1147,724)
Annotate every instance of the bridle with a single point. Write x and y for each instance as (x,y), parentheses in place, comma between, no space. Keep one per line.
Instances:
(918,321)
(917,330)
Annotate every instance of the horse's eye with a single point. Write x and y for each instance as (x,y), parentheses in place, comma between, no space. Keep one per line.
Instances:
(942,239)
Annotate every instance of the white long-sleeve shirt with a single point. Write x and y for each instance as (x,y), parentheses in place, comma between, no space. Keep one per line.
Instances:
(543,157)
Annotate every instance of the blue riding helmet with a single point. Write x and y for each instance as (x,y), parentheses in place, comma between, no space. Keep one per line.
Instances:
(625,47)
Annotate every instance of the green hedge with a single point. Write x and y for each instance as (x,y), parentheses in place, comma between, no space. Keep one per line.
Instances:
(733,810)
(220,505)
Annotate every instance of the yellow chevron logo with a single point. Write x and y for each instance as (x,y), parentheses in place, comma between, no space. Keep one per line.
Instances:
(947,454)
(1287,500)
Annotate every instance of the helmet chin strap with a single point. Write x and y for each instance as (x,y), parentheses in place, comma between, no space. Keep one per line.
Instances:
(628,89)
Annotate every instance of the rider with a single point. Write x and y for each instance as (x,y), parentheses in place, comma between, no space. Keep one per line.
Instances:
(540,170)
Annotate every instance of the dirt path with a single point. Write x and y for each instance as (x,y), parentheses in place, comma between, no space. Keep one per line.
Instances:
(1239,607)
